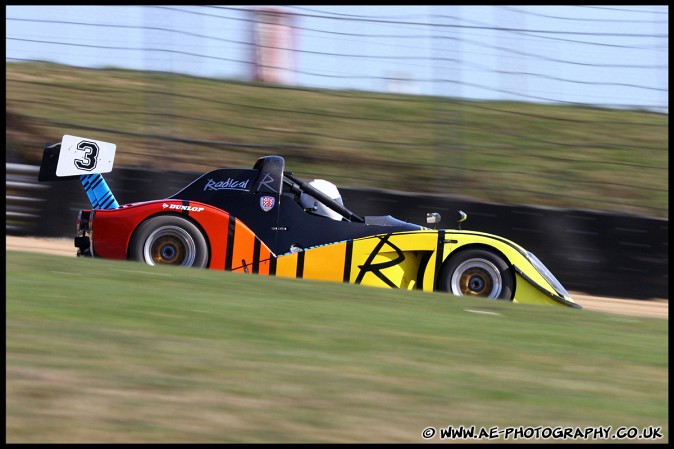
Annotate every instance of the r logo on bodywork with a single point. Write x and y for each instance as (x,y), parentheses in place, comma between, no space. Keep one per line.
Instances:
(377,267)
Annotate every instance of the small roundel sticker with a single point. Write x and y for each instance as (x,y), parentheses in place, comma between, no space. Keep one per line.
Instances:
(267,203)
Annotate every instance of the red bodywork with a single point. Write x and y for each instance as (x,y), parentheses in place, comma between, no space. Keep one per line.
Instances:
(112,231)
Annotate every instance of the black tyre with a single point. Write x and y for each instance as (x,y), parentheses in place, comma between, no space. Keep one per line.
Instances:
(477,272)
(170,240)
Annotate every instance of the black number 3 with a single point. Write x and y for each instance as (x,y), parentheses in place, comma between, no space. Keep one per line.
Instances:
(90,158)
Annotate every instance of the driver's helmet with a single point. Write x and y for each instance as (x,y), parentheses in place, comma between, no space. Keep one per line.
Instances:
(314,206)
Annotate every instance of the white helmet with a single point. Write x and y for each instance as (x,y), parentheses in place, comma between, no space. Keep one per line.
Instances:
(310,203)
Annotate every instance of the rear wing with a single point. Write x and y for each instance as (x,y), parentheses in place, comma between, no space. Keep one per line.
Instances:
(86,159)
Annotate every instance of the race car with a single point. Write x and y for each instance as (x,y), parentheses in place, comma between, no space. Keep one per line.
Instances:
(266,221)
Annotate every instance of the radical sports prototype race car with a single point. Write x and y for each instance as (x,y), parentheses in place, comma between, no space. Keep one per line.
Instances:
(266,221)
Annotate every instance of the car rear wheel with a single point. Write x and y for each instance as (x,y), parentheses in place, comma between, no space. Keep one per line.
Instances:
(477,272)
(169,240)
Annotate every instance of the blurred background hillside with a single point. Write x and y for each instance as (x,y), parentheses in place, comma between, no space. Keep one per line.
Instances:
(556,106)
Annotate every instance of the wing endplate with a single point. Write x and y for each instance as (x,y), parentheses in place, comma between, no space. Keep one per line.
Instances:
(79,157)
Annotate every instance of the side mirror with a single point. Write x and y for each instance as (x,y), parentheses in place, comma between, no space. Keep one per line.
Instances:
(433,218)
(462,217)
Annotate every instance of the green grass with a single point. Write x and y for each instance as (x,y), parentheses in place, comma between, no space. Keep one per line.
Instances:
(105,351)
(508,152)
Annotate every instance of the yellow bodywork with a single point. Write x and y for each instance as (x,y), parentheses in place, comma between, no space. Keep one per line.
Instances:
(412,260)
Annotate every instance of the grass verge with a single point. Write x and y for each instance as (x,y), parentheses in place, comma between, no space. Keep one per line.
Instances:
(118,352)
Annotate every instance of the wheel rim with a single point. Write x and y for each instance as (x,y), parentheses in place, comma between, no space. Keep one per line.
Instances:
(477,277)
(169,245)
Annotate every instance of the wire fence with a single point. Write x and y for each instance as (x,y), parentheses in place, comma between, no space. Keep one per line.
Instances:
(480,104)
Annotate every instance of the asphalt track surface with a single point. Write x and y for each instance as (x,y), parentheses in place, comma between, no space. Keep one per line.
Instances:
(654,308)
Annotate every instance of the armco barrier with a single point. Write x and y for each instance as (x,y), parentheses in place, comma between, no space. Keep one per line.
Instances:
(598,253)
(23,199)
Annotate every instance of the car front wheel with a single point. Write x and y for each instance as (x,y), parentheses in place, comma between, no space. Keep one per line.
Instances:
(477,272)
(169,240)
